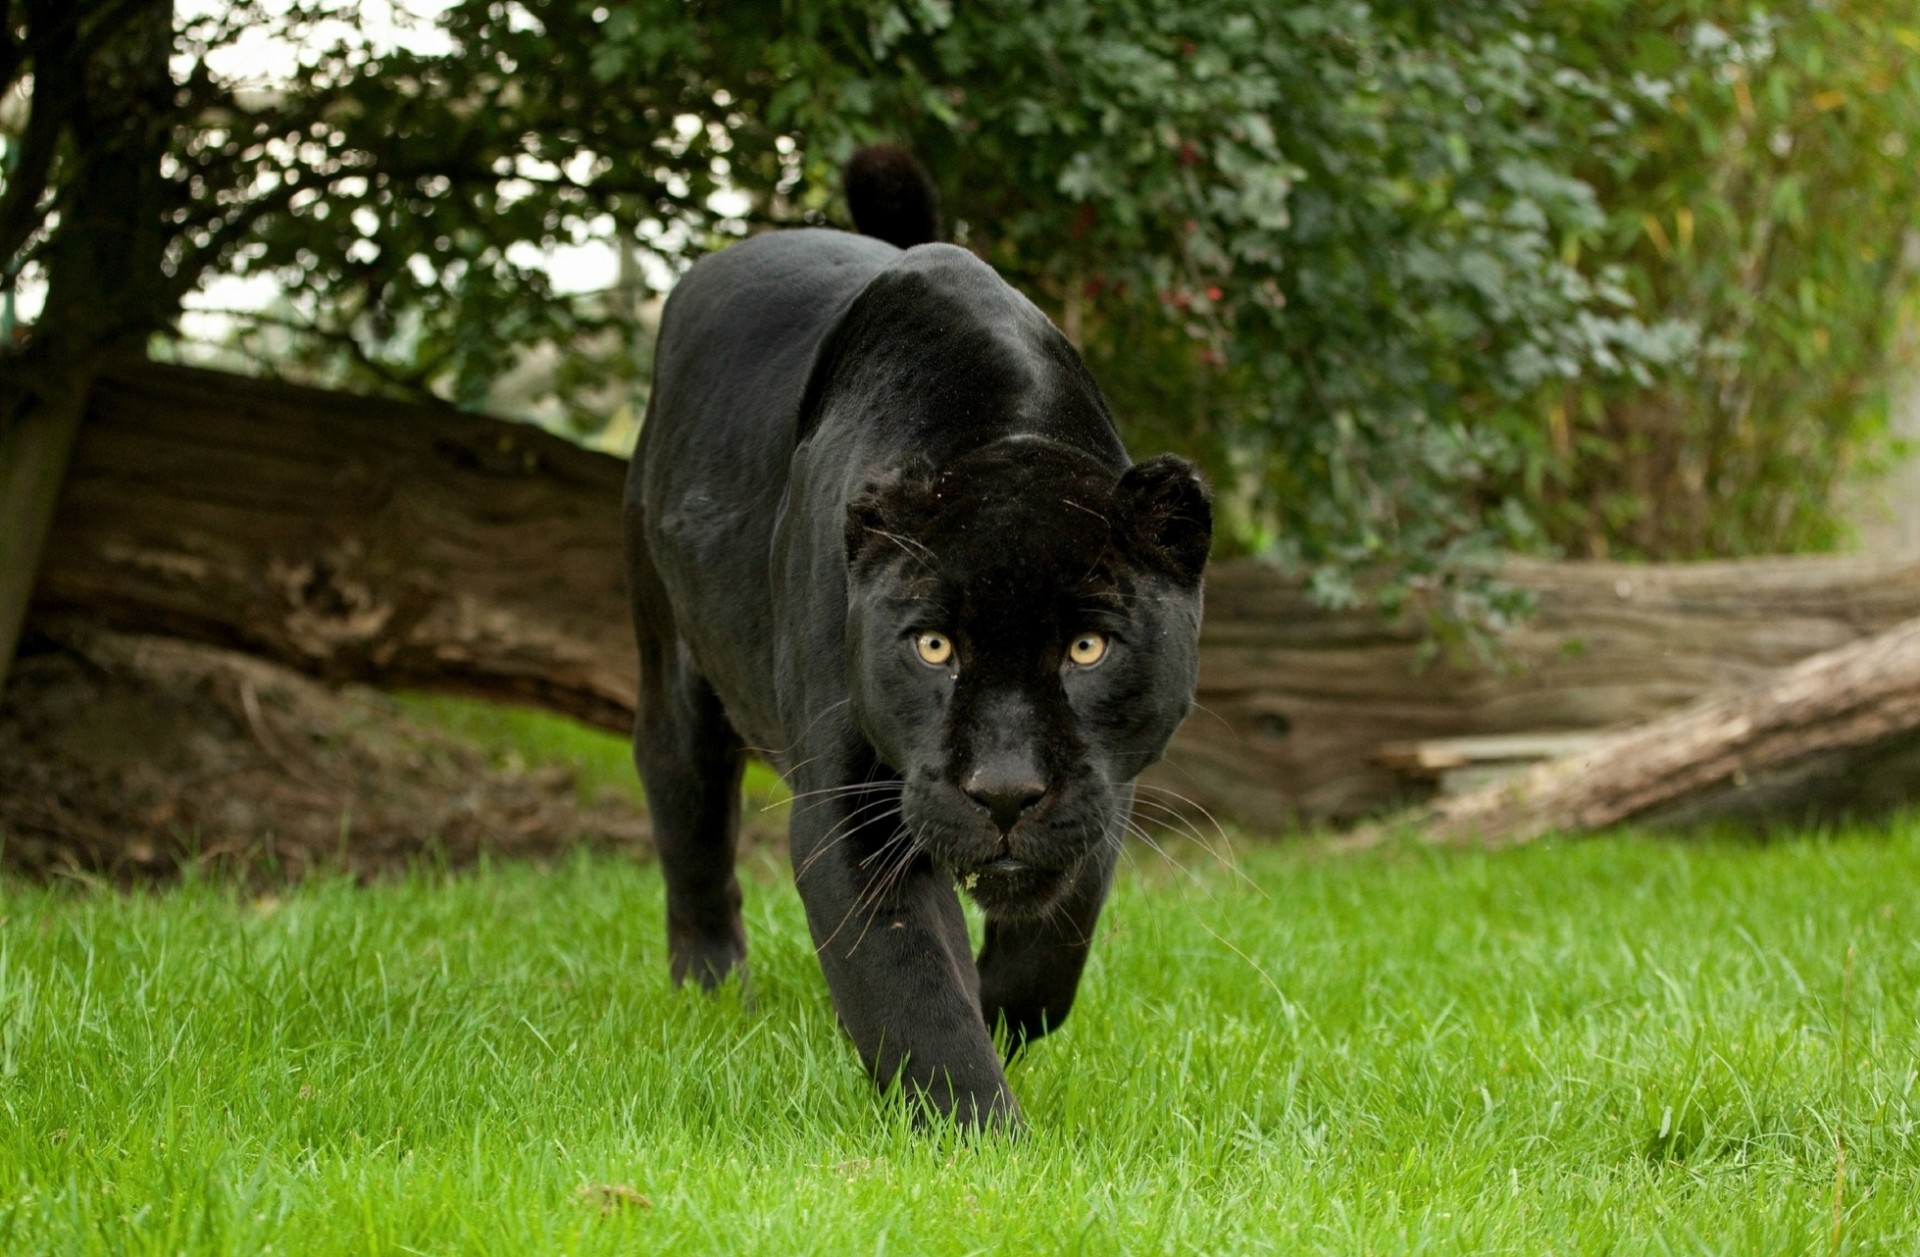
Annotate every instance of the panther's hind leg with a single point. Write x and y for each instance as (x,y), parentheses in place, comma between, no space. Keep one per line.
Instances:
(690,761)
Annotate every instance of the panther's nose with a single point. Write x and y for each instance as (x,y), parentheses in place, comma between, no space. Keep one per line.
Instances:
(1005,797)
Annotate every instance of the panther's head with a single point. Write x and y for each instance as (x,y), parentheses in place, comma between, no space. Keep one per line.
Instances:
(1022,638)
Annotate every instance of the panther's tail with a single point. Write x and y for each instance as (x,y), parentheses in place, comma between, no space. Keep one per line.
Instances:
(891,196)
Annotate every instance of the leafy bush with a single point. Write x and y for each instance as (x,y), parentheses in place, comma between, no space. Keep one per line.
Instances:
(1768,200)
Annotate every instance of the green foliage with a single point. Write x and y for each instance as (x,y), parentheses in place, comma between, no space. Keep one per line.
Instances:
(1419,282)
(406,198)
(1769,201)
(1600,1047)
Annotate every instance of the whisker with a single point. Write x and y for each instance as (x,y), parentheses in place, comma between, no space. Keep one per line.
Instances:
(1224,860)
(876,888)
(1221,939)
(1172,817)
(1187,828)
(1251,963)
(770,753)
(822,797)
(1172,863)
(1179,822)
(1202,707)
(855,788)
(914,550)
(845,828)
(842,830)
(881,850)
(1175,794)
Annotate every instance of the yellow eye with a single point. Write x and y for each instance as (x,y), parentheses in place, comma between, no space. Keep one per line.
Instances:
(934,648)
(1088,649)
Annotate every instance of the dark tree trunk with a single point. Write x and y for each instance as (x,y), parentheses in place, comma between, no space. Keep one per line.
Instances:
(39,417)
(108,100)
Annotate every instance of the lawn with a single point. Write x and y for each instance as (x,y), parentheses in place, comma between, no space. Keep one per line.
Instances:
(1622,1045)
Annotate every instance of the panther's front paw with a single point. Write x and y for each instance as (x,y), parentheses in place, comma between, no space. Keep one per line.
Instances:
(705,958)
(993,1112)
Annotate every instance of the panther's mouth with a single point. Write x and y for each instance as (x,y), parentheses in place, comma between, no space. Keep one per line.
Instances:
(1016,873)
(1002,871)
(1011,886)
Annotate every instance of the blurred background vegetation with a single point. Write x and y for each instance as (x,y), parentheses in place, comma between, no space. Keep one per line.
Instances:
(1420,283)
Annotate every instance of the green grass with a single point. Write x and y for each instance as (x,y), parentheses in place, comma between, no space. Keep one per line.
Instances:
(1627,1045)
(524,737)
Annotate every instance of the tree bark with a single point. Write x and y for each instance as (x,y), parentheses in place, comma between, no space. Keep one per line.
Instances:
(1832,736)
(415,546)
(354,539)
(1299,706)
(35,445)
(111,101)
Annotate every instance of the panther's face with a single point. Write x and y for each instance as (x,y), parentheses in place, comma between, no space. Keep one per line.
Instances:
(1022,636)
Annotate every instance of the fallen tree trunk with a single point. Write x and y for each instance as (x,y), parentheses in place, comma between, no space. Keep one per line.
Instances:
(1302,710)
(416,546)
(352,538)
(1835,735)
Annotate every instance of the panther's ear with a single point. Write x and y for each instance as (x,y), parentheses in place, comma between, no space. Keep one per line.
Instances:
(1169,515)
(886,506)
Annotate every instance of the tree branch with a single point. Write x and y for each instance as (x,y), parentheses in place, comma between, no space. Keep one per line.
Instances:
(414,385)
(197,260)
(57,91)
(13,53)
(108,22)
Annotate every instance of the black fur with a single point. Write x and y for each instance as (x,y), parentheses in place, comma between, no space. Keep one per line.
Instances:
(891,196)
(848,446)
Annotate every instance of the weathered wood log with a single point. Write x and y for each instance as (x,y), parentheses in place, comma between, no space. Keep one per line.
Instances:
(1831,736)
(1457,765)
(354,539)
(1298,703)
(417,546)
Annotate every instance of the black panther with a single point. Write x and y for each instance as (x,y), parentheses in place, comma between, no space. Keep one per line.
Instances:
(881,532)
